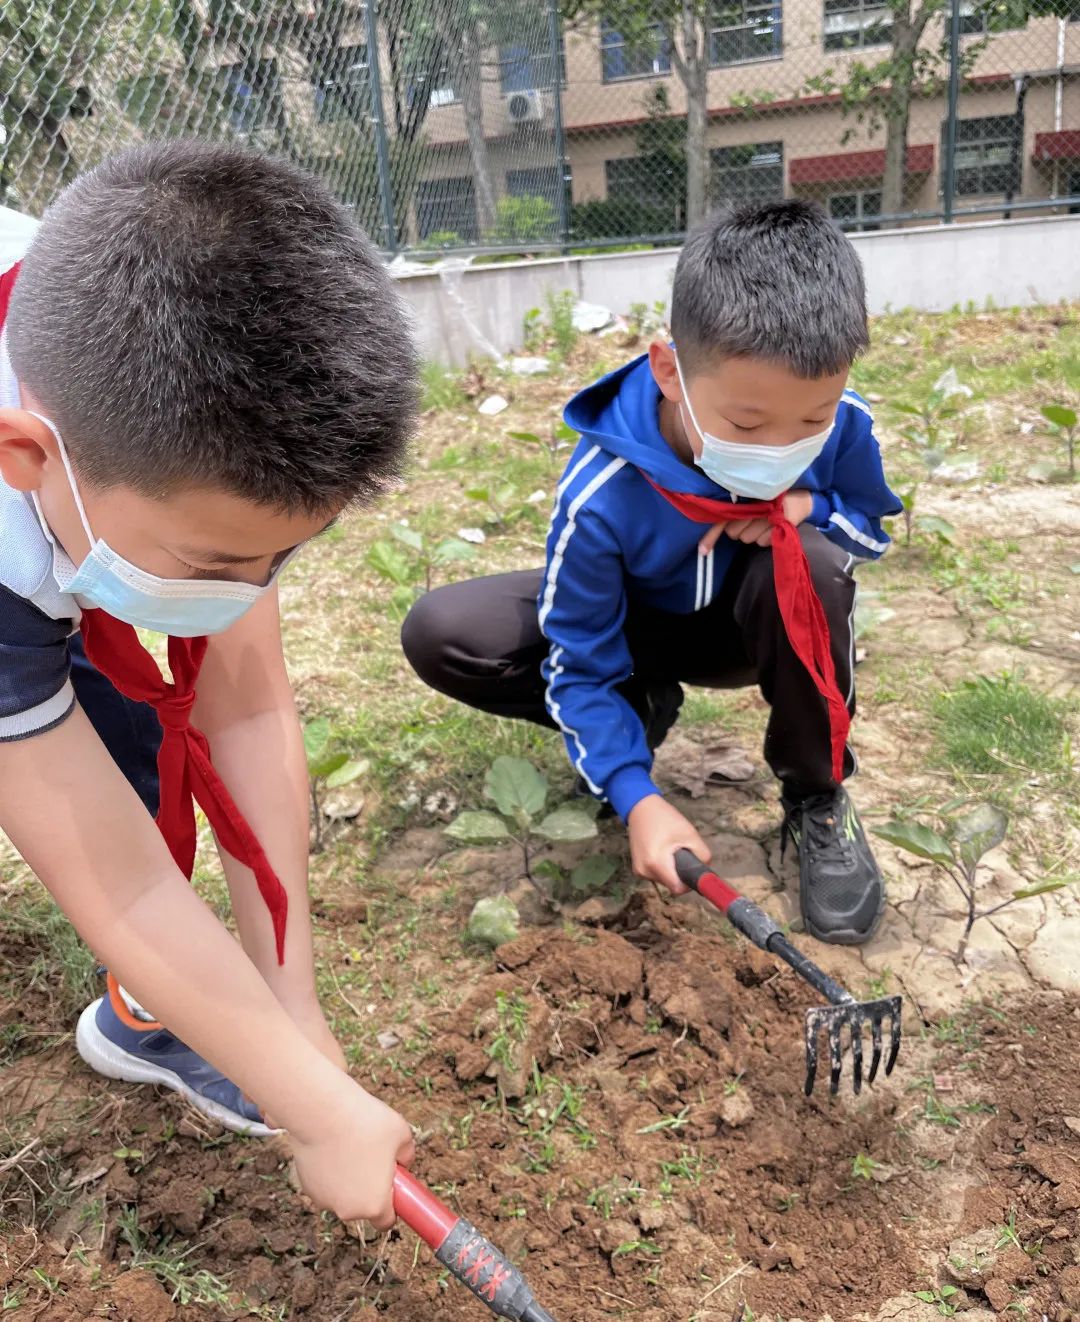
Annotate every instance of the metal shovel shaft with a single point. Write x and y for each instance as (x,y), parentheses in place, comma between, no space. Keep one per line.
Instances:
(465,1252)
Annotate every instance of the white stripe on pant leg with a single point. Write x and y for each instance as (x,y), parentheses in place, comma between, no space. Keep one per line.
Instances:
(699,590)
(851,628)
(709,577)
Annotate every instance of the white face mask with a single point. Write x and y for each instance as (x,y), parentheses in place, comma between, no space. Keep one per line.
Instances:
(183,607)
(759,472)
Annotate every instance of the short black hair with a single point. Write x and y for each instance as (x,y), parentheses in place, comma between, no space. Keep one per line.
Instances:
(779,282)
(196,314)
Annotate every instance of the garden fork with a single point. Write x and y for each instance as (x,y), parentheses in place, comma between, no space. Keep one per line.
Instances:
(843,1012)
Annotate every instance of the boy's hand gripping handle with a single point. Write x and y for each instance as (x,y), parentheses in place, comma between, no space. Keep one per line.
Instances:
(740,912)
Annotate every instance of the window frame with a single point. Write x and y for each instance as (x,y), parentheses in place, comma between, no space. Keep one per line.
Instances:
(966,139)
(661,60)
(858,7)
(719,172)
(776,30)
(861,222)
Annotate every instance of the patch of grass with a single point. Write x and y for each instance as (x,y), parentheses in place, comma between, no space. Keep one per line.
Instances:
(440,388)
(1001,726)
(60,961)
(169,1261)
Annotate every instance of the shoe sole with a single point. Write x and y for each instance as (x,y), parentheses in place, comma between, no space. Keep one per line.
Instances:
(845,936)
(104,1057)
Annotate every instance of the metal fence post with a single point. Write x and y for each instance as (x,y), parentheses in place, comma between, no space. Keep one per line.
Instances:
(378,122)
(560,129)
(948,165)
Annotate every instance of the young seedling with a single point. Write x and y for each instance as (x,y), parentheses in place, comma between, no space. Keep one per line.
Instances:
(520,795)
(1065,420)
(957,852)
(327,770)
(410,562)
(940,1298)
(560,438)
(863,1166)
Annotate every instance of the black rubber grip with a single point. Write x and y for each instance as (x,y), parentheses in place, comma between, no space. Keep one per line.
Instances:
(479,1266)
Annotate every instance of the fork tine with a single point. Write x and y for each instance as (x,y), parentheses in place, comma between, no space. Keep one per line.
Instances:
(836,1058)
(856,1053)
(894,1045)
(875,1059)
(811,1053)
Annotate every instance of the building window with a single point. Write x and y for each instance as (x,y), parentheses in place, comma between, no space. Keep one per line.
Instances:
(977,17)
(634,177)
(536,181)
(746,30)
(853,24)
(436,85)
(641,58)
(527,69)
(250,91)
(446,208)
(986,160)
(341,89)
(854,210)
(747,176)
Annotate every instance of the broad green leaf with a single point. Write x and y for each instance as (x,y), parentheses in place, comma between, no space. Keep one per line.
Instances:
(978,831)
(1041,888)
(917,839)
(530,437)
(407,536)
(547,867)
(327,765)
(927,1296)
(563,432)
(938,527)
(1075,569)
(906,408)
(478,493)
(478,828)
(403,599)
(592,873)
(493,921)
(566,824)
(1059,415)
(316,739)
(349,770)
(453,548)
(387,560)
(516,788)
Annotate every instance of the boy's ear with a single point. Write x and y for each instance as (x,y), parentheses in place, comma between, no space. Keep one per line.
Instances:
(665,372)
(25,447)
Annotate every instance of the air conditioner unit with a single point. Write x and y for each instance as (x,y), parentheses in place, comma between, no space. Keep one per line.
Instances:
(525,107)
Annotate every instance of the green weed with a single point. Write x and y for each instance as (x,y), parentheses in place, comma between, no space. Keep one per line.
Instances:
(1000,726)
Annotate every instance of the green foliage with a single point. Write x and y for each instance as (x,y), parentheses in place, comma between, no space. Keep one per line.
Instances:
(493,921)
(409,562)
(523,220)
(520,795)
(329,768)
(940,1298)
(863,1166)
(1001,726)
(560,314)
(1065,421)
(616,217)
(956,846)
(441,388)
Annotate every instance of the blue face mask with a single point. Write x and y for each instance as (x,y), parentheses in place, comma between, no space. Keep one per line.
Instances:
(759,472)
(183,607)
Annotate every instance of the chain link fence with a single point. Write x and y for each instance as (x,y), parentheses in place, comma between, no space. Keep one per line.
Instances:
(523,126)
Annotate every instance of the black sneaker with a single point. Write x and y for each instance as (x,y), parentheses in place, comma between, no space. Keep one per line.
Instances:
(663,701)
(841,891)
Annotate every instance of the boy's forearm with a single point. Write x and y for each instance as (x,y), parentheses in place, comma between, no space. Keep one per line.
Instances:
(80,826)
(261,760)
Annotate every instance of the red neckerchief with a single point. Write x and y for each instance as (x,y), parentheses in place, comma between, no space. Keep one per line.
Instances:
(185,770)
(800,607)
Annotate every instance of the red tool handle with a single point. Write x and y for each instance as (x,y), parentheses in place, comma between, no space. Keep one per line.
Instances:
(421,1211)
(740,912)
(461,1248)
(692,872)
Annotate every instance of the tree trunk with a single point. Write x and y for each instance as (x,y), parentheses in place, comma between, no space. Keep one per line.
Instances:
(693,69)
(471,90)
(907,32)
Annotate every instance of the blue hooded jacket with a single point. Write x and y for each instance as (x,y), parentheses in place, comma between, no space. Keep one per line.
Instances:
(614,538)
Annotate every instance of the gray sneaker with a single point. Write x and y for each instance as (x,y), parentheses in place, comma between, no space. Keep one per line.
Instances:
(841,890)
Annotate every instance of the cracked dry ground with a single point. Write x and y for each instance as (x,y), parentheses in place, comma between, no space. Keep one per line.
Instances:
(616,1099)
